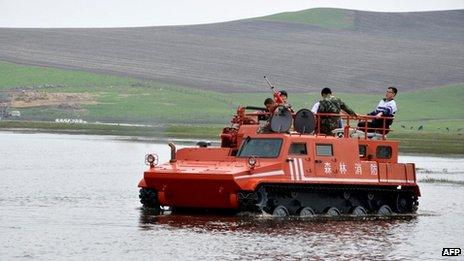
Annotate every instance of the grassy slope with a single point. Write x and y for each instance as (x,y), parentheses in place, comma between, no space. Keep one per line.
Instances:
(131,101)
(119,99)
(16,76)
(322,17)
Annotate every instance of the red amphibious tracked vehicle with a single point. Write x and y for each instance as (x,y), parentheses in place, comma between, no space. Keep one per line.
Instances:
(268,166)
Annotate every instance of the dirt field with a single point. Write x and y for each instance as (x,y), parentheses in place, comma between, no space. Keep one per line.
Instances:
(28,99)
(408,50)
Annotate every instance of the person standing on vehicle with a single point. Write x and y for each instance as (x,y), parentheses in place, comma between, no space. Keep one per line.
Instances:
(331,104)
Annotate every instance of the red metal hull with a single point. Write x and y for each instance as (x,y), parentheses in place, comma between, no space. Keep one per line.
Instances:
(220,178)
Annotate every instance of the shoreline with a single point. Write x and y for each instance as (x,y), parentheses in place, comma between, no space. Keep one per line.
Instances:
(410,144)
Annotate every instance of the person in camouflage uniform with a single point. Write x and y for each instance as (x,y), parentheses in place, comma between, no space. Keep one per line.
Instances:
(331,104)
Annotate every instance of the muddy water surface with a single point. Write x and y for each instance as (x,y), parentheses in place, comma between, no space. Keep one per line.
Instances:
(76,197)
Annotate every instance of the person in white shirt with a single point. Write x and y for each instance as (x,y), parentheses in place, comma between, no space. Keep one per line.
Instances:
(386,108)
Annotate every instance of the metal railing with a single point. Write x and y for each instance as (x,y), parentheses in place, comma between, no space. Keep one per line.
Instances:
(363,124)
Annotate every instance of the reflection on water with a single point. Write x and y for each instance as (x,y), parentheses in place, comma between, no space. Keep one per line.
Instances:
(266,224)
(265,236)
(76,197)
(256,222)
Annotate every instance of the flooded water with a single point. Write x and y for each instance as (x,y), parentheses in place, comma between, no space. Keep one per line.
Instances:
(76,197)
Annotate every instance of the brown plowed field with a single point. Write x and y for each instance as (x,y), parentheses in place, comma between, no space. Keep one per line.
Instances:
(408,50)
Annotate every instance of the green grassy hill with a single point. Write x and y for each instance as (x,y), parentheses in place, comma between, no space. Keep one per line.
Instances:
(120,99)
(350,51)
(328,18)
(182,110)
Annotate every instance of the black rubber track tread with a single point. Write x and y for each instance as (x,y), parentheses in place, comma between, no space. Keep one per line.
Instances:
(283,190)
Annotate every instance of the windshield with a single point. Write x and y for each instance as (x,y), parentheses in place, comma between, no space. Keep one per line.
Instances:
(263,148)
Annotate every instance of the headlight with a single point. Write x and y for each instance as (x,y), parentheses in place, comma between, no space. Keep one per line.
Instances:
(252,162)
(151,159)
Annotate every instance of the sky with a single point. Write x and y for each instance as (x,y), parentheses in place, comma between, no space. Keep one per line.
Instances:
(130,13)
